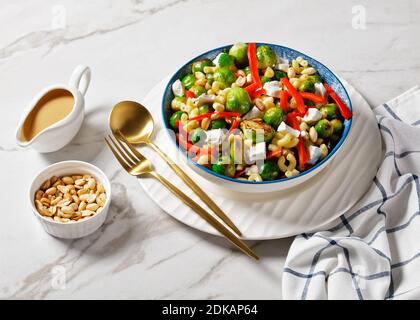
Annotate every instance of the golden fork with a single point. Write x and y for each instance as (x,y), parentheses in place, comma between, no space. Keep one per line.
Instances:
(137,165)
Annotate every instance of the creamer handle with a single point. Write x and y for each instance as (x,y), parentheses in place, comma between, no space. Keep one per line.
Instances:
(80,78)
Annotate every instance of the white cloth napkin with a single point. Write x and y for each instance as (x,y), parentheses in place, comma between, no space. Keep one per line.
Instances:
(373,250)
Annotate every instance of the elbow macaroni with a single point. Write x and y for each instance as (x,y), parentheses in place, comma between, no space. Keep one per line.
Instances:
(285,140)
(255,177)
(292,173)
(282,163)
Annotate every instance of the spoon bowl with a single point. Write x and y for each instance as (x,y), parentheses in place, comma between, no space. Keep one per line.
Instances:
(133,120)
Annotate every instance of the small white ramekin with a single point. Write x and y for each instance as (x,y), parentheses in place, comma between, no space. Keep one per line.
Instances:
(77,229)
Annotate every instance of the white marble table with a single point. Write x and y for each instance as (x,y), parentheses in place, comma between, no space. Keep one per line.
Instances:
(131,45)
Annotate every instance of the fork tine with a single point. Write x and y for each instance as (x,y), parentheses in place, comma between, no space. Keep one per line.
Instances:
(133,150)
(122,151)
(128,153)
(117,156)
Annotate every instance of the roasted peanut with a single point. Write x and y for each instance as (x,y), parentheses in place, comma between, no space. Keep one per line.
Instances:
(70,198)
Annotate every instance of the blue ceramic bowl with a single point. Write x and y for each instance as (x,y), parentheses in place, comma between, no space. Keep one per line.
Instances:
(247,186)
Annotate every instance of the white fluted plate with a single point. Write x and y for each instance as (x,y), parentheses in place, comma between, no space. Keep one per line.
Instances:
(304,208)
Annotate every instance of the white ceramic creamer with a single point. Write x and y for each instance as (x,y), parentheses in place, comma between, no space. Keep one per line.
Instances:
(55,115)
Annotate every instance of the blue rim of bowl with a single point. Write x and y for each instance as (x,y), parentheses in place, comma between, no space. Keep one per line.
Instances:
(347,126)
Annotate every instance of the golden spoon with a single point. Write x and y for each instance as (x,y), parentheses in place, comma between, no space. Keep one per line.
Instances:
(136,124)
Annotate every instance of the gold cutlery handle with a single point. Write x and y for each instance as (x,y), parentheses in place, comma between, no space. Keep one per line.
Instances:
(205,215)
(197,190)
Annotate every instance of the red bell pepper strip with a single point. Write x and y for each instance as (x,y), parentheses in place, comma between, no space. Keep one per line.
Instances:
(228,114)
(253,63)
(239,173)
(202,116)
(221,114)
(344,110)
(284,101)
(259,92)
(189,94)
(302,152)
(254,90)
(182,135)
(293,92)
(183,143)
(291,120)
(313,97)
(188,146)
(274,153)
(252,87)
(201,152)
(235,125)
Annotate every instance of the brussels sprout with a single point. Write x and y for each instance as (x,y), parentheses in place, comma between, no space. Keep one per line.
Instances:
(337,125)
(198,66)
(218,167)
(307,86)
(198,135)
(224,76)
(238,100)
(218,124)
(205,108)
(314,78)
(188,81)
(330,110)
(226,60)
(250,127)
(174,118)
(224,166)
(198,90)
(274,117)
(264,79)
(278,74)
(323,128)
(269,171)
(240,53)
(266,57)
(230,170)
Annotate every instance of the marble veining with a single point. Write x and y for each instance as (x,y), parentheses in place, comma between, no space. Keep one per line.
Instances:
(140,252)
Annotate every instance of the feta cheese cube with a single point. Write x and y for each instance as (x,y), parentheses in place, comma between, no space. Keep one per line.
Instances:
(283,127)
(283,67)
(272,88)
(320,89)
(252,170)
(203,99)
(214,136)
(282,60)
(253,114)
(312,115)
(257,152)
(315,154)
(282,64)
(178,88)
